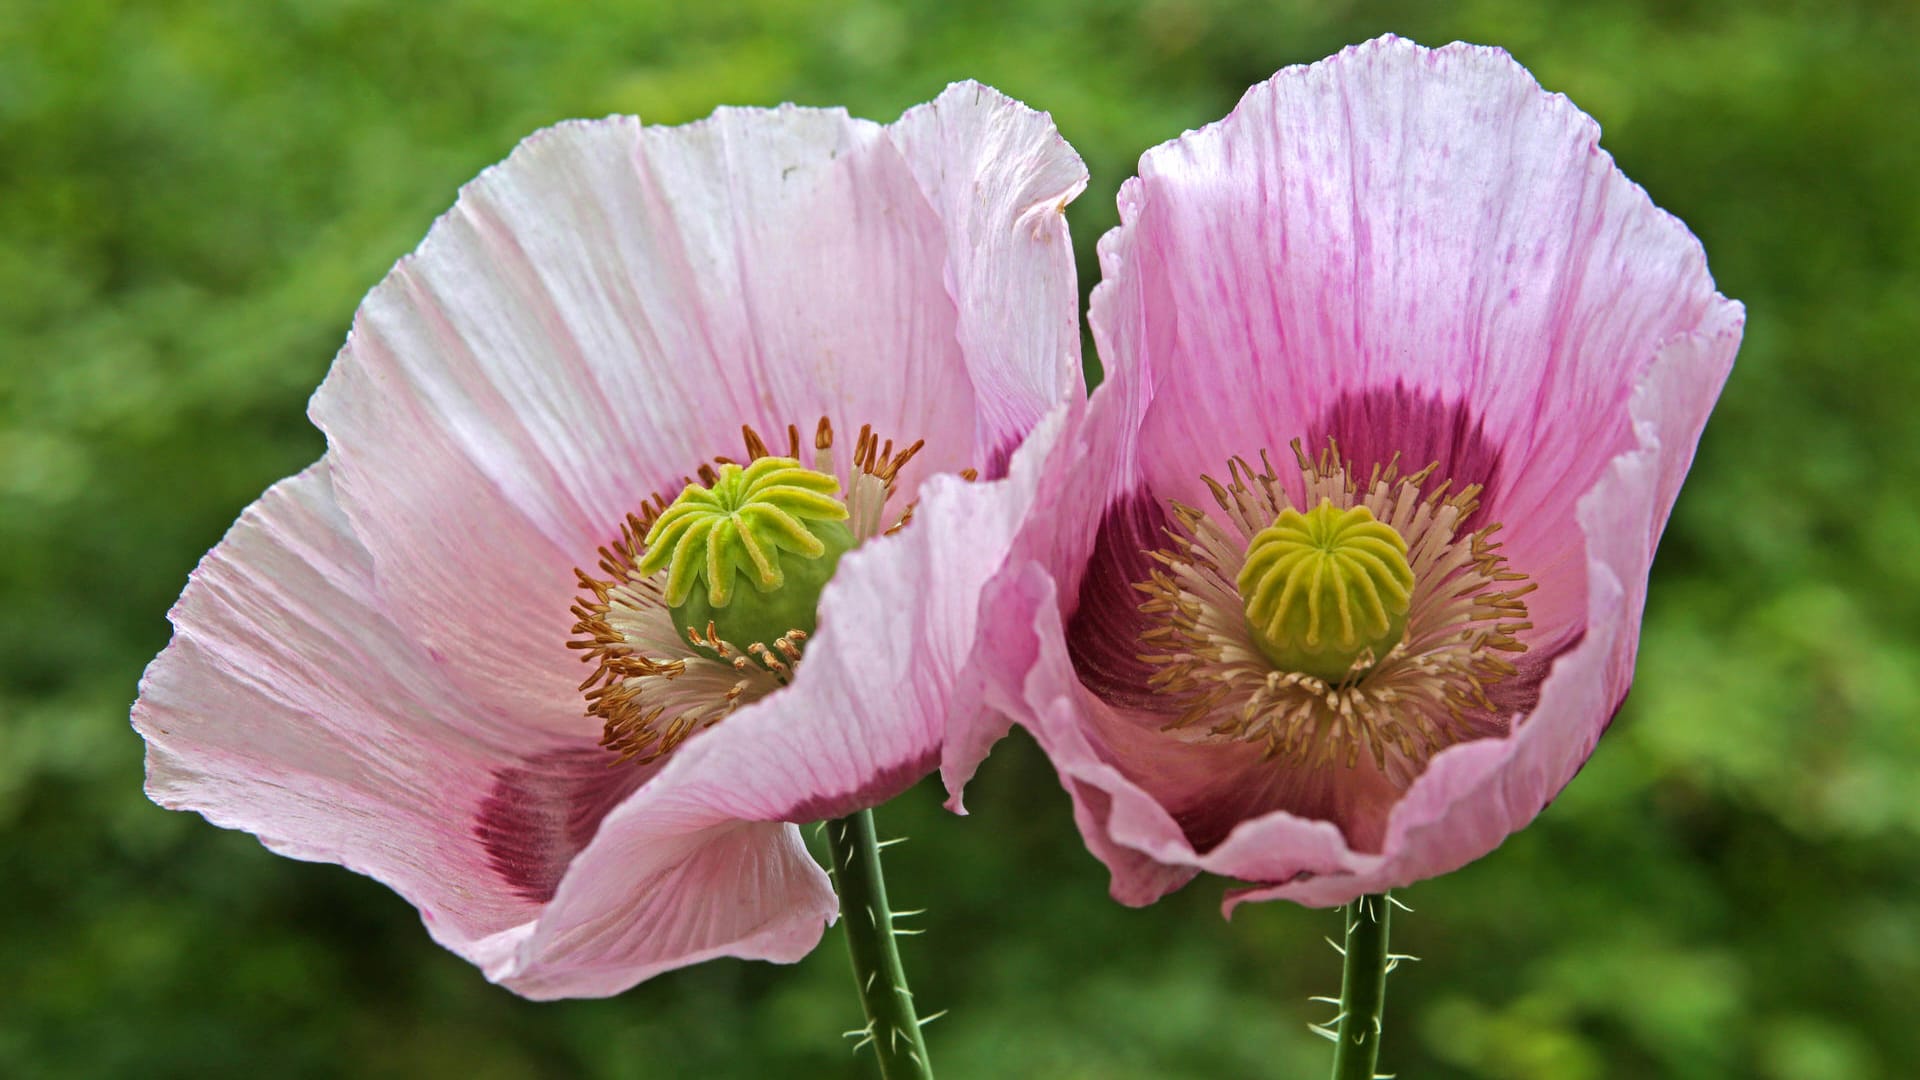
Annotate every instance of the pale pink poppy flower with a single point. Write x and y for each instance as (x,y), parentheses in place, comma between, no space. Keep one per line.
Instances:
(1394,258)
(374,667)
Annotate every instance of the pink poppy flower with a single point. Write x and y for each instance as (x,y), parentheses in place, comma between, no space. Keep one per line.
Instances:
(1339,577)
(380,665)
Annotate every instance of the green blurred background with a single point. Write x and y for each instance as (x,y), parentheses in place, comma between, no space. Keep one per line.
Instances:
(194,196)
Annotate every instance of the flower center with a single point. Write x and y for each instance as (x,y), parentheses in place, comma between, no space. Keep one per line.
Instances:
(1373,622)
(1326,591)
(775,524)
(677,639)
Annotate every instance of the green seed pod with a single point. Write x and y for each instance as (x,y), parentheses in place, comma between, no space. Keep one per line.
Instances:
(775,525)
(1325,588)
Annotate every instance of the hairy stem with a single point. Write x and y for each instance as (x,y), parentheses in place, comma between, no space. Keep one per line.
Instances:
(1363,989)
(892,1026)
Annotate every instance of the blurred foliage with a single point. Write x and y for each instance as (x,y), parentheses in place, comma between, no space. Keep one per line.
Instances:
(193,197)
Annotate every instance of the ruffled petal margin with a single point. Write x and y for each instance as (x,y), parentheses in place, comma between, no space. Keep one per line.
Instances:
(1000,177)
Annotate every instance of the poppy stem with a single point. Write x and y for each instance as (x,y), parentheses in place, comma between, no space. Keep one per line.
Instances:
(893,1029)
(1363,989)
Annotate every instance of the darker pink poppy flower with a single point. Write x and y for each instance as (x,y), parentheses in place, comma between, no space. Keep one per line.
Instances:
(1338,578)
(374,668)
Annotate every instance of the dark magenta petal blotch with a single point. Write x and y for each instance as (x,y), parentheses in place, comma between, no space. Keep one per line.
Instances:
(1103,635)
(538,815)
(1376,425)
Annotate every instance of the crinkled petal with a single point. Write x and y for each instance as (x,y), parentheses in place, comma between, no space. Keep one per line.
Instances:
(594,318)
(1128,821)
(288,705)
(1029,677)
(1082,477)
(999,175)
(667,883)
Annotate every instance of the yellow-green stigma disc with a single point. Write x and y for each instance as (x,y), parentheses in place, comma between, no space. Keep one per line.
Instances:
(774,525)
(1325,588)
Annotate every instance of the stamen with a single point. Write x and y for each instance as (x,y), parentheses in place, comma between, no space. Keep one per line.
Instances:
(654,683)
(1399,692)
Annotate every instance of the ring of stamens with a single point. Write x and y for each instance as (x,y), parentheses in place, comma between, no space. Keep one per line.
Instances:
(1430,689)
(653,686)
